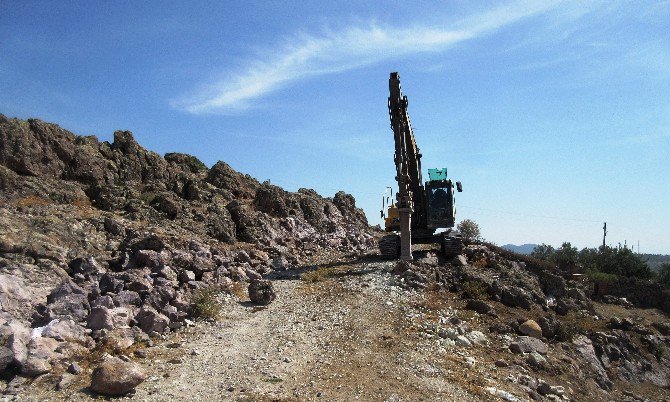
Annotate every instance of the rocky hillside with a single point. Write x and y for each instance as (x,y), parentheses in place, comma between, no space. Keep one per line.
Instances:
(104,243)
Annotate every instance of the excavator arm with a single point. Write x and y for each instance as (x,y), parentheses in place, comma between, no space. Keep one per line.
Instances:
(411,193)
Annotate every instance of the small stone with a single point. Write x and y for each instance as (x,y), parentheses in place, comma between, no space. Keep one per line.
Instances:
(459,261)
(187,276)
(501,363)
(536,359)
(546,389)
(74,368)
(463,341)
(65,381)
(476,337)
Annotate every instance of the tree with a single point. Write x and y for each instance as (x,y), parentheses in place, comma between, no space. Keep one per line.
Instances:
(543,252)
(664,274)
(469,230)
(566,256)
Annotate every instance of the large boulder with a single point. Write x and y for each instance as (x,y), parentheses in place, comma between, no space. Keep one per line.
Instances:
(116,377)
(41,353)
(526,344)
(531,328)
(15,338)
(151,320)
(261,292)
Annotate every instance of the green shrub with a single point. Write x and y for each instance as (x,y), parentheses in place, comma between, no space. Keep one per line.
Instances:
(206,302)
(597,276)
(475,290)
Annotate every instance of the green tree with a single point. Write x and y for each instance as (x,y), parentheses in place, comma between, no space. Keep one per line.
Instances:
(543,252)
(566,256)
(615,261)
(664,274)
(469,230)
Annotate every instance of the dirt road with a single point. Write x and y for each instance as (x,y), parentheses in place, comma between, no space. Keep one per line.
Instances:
(346,333)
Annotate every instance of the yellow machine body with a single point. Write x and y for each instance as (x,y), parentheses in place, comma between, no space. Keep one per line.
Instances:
(392,220)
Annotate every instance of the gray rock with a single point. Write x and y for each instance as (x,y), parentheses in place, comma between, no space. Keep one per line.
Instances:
(6,357)
(261,292)
(115,377)
(459,261)
(526,344)
(151,320)
(546,389)
(584,347)
(66,381)
(65,330)
(17,337)
(100,318)
(463,341)
(280,264)
(68,300)
(253,275)
(74,368)
(549,326)
(168,273)
(41,351)
(186,276)
(535,359)
(513,296)
(103,301)
(479,306)
(476,337)
(127,298)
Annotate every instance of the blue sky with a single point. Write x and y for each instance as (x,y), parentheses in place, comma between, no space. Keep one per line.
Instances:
(554,115)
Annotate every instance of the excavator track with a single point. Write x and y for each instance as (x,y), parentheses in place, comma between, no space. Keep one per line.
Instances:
(452,246)
(389,246)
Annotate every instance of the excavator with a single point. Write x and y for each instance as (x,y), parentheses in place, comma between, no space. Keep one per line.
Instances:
(422,212)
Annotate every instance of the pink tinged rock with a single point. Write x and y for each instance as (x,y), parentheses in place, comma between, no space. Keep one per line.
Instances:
(41,351)
(100,318)
(531,328)
(152,321)
(116,377)
(18,337)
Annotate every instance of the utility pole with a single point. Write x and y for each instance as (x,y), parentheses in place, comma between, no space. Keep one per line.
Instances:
(604,232)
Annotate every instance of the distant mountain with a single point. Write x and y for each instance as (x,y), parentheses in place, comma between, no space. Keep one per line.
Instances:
(523,249)
(654,261)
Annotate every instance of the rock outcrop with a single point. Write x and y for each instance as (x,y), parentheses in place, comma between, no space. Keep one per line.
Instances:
(104,243)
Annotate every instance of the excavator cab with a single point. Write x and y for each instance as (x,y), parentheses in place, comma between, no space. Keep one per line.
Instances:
(440,208)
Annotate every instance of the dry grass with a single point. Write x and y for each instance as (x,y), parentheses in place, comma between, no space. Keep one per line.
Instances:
(31,201)
(239,290)
(322,273)
(318,275)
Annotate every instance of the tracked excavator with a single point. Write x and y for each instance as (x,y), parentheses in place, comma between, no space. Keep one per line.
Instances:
(422,212)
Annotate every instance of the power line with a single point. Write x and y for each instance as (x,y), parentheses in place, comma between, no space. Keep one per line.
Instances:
(530,215)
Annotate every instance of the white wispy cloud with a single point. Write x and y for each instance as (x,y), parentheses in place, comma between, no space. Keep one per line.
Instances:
(305,55)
